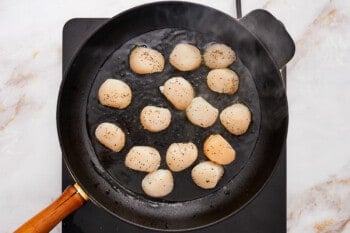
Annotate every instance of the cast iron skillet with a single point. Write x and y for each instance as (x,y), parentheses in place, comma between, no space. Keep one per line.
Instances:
(263,47)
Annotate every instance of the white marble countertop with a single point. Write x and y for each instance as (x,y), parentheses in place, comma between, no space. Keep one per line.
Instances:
(318,93)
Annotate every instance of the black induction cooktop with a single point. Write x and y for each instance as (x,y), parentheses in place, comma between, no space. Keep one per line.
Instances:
(265,214)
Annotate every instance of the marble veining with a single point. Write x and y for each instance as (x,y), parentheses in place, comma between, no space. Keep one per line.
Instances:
(322,208)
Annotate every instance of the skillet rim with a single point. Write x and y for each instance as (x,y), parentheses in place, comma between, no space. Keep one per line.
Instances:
(58,112)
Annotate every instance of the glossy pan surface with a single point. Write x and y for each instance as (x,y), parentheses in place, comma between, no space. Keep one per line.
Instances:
(102,173)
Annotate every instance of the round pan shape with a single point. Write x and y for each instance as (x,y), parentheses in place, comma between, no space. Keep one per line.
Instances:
(262,61)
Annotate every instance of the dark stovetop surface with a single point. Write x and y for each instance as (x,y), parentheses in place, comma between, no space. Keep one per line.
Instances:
(265,214)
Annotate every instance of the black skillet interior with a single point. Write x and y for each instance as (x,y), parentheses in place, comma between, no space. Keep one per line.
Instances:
(102,173)
(146,92)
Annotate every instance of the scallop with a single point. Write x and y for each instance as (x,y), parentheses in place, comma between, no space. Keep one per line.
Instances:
(201,113)
(155,119)
(178,91)
(115,93)
(207,174)
(218,56)
(180,156)
(236,118)
(223,81)
(218,150)
(158,183)
(185,57)
(143,158)
(146,61)
(111,136)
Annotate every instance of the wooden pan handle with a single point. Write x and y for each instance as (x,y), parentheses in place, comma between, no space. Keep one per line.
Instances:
(71,199)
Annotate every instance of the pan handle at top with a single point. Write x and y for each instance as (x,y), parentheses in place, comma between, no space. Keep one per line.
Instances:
(272,34)
(71,199)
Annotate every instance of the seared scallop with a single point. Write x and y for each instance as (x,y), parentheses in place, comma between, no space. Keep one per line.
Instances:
(201,113)
(218,150)
(146,61)
(178,91)
(223,81)
(236,118)
(219,56)
(185,57)
(143,158)
(155,119)
(111,136)
(158,183)
(115,93)
(207,174)
(180,156)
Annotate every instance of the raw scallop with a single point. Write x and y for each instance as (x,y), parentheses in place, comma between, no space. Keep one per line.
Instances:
(185,57)
(178,91)
(180,156)
(236,118)
(218,56)
(201,113)
(223,81)
(207,174)
(218,150)
(155,119)
(146,61)
(143,158)
(111,136)
(158,183)
(115,93)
